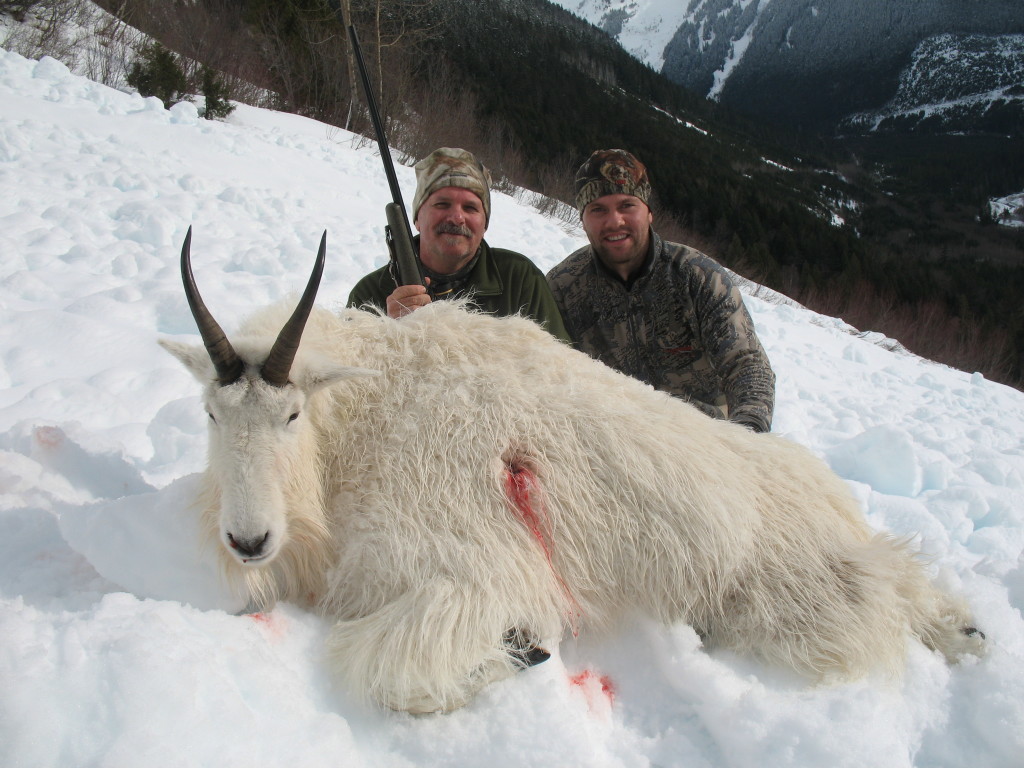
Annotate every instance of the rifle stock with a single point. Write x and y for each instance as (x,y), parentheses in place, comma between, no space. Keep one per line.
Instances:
(403,255)
(405,267)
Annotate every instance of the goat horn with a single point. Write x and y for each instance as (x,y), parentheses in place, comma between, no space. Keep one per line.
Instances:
(282,354)
(226,361)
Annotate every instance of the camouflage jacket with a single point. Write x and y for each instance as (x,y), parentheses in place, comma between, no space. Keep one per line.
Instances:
(500,283)
(680,326)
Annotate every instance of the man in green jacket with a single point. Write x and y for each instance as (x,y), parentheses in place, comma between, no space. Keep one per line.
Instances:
(451,209)
(661,312)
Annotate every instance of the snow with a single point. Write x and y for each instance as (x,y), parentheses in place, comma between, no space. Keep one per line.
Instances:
(119,646)
(737,49)
(647,26)
(1009,210)
(691,126)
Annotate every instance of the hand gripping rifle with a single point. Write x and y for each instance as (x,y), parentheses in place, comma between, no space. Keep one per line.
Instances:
(405,268)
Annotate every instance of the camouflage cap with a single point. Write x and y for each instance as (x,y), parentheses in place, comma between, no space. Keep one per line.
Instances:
(449,167)
(611,172)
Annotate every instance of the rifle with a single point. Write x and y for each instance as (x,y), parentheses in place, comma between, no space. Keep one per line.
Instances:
(405,267)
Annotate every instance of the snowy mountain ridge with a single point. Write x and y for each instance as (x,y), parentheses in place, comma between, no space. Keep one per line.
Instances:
(642,27)
(818,62)
(956,81)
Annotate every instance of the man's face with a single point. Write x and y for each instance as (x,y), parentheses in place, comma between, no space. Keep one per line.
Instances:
(452,224)
(618,227)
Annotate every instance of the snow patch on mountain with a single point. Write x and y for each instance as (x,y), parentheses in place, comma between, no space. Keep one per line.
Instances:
(737,48)
(1008,211)
(950,76)
(642,27)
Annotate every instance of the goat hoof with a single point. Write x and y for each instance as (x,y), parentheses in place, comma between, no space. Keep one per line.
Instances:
(536,655)
(973,631)
(523,649)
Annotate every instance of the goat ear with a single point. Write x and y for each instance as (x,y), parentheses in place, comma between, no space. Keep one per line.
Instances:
(327,374)
(193,357)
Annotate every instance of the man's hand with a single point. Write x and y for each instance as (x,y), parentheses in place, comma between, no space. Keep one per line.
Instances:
(406,298)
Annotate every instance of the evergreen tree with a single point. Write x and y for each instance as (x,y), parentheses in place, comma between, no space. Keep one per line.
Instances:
(215,91)
(157,73)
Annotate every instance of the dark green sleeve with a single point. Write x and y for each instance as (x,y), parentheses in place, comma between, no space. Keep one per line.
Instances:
(373,289)
(536,300)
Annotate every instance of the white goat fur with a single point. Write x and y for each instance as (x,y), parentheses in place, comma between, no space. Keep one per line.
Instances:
(390,501)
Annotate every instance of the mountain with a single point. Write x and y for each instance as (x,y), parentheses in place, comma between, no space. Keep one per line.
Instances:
(822,64)
(955,83)
(642,28)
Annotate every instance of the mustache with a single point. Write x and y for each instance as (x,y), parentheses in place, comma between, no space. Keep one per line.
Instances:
(447,228)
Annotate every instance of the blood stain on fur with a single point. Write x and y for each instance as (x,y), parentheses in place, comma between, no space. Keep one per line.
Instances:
(523,490)
(520,484)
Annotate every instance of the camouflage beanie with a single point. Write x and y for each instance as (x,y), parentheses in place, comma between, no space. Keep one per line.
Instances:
(448,167)
(611,172)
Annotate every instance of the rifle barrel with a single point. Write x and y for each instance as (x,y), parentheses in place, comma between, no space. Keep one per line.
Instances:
(378,126)
(405,267)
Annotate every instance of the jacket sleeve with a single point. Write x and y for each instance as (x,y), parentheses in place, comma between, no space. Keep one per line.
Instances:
(373,289)
(558,282)
(735,352)
(536,300)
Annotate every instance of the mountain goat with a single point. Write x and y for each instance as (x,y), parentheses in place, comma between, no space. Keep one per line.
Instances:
(454,489)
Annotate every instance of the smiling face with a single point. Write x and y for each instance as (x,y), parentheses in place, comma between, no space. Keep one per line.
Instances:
(618,227)
(452,223)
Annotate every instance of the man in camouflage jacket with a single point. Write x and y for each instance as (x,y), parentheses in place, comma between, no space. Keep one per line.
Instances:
(661,312)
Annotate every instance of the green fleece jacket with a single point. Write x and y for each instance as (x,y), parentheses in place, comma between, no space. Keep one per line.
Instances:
(502,283)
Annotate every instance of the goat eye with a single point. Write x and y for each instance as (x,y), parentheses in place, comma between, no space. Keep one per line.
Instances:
(212,418)
(293,417)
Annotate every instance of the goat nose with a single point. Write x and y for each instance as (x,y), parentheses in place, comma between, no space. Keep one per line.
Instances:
(249,548)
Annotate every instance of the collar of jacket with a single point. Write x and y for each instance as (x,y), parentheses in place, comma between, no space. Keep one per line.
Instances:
(484,279)
(654,249)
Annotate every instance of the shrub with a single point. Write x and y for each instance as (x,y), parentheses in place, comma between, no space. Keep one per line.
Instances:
(216,92)
(157,73)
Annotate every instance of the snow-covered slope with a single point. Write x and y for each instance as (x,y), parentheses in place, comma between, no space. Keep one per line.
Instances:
(642,27)
(119,647)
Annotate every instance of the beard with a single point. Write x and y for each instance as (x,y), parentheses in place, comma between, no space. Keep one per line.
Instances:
(450,245)
(457,233)
(636,252)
